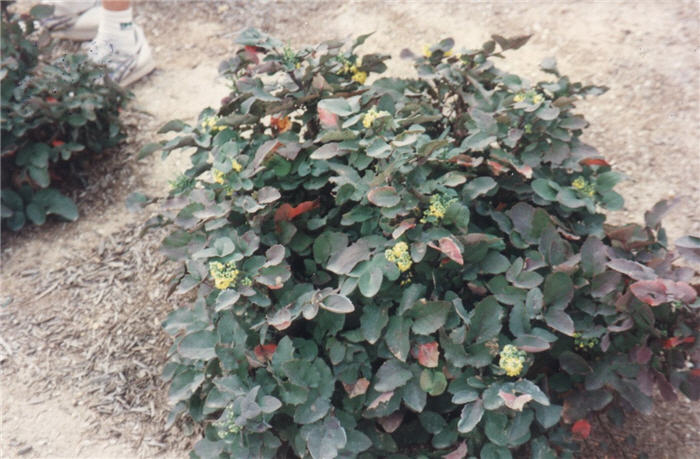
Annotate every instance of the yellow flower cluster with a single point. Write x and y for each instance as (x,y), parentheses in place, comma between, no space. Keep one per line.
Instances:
(399,255)
(357,75)
(371,116)
(224,274)
(227,427)
(210,124)
(219,177)
(584,343)
(512,360)
(428,53)
(584,187)
(438,208)
(530,95)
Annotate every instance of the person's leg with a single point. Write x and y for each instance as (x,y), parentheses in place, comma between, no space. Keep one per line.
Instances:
(120,44)
(117,26)
(73,19)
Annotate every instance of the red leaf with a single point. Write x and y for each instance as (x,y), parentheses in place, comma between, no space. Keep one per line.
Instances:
(427,354)
(676,340)
(286,212)
(659,291)
(359,387)
(515,402)
(582,428)
(496,168)
(383,398)
(264,352)
(57,143)
(327,118)
(466,161)
(392,422)
(524,170)
(251,53)
(280,125)
(594,162)
(449,248)
(459,453)
(51,100)
(403,227)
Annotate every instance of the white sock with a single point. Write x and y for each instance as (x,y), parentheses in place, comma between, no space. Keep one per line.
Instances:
(117,29)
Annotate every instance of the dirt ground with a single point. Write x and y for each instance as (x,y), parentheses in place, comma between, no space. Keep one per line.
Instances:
(81,348)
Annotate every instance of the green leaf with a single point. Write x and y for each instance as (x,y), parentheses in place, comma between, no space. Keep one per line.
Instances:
(471,416)
(429,316)
(607,181)
(173,125)
(184,384)
(491,451)
(478,187)
(269,404)
(531,343)
(340,304)
(339,106)
(397,337)
(35,214)
(548,416)
(593,256)
(57,204)
(373,320)
(496,428)
(528,387)
(325,440)
(40,175)
(560,321)
(414,397)
(391,374)
(76,120)
(148,150)
(410,295)
(574,364)
(136,201)
(485,321)
(433,382)
(198,345)
(383,196)
(544,189)
(371,281)
(343,261)
(569,198)
(314,409)
(558,290)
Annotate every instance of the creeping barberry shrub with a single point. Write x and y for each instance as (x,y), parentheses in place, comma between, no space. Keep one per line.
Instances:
(391,267)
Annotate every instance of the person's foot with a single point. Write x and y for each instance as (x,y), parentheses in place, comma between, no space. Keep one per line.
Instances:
(125,67)
(74,20)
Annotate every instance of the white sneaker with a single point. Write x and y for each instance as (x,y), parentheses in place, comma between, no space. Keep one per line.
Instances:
(124,68)
(74,20)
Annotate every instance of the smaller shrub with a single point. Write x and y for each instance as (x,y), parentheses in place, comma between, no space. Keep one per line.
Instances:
(52,113)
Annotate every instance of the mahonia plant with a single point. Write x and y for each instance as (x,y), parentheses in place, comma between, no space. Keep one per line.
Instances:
(52,113)
(410,267)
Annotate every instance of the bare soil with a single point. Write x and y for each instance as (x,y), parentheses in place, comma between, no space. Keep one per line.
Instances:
(81,348)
